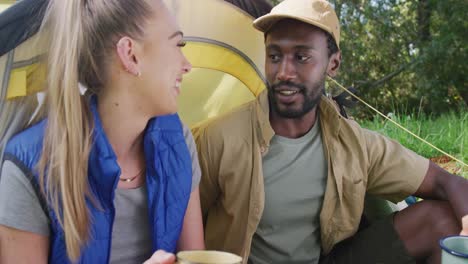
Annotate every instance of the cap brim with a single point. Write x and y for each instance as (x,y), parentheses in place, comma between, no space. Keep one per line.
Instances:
(265,22)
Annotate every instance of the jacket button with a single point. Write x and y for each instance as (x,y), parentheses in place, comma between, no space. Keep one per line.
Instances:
(257,210)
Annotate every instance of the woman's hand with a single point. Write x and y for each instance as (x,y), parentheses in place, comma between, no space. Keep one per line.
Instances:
(161,257)
(464,231)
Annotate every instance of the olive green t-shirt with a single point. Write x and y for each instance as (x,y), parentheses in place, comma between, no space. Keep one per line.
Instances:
(289,230)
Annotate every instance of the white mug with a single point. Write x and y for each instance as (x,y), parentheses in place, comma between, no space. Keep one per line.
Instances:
(207,257)
(454,249)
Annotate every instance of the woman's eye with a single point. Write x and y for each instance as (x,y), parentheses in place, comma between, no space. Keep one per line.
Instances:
(181,43)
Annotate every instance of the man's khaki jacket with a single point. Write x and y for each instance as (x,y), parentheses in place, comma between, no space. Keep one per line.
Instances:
(231,148)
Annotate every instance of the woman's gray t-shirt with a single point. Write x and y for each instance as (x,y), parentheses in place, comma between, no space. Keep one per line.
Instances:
(20,208)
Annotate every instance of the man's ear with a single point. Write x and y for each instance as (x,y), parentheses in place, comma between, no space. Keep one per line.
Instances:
(126,52)
(334,63)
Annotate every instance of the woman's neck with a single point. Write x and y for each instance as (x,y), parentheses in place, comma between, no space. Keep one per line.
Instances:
(124,126)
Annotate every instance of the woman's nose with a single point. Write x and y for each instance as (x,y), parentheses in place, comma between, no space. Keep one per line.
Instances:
(187,67)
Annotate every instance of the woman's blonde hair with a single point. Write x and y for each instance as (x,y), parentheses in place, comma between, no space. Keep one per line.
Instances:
(81,35)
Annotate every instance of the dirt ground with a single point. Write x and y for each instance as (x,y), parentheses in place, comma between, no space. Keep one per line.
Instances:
(450,165)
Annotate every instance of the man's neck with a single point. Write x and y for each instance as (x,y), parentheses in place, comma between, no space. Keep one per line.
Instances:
(293,127)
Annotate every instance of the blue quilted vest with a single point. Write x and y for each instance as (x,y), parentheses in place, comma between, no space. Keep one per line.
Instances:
(168,179)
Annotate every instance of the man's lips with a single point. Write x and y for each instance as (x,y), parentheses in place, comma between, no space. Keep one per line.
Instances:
(287,90)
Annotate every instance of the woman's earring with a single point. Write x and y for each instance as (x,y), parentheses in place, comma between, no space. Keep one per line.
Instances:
(137,74)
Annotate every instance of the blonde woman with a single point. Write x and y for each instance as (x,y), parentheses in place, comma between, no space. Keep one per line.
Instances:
(111,177)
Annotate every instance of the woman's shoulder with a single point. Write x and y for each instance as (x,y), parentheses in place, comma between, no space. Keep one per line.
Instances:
(26,146)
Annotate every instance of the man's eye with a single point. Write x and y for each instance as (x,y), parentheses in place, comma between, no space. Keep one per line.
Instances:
(273,57)
(302,58)
(181,43)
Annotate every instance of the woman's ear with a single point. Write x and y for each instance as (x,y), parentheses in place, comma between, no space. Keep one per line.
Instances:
(126,52)
(334,63)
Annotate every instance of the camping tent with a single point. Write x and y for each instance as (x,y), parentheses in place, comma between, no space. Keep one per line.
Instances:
(20,76)
(225,50)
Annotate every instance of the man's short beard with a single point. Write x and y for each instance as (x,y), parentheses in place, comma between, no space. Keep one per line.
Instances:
(311,100)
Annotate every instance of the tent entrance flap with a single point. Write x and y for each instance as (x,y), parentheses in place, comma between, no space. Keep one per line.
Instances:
(226,52)
(212,54)
(207,93)
(221,79)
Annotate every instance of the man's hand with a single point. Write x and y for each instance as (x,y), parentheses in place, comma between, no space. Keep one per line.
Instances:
(464,231)
(161,257)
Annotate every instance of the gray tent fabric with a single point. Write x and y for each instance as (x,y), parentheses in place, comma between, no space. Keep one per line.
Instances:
(23,19)
(255,8)
(18,25)
(20,22)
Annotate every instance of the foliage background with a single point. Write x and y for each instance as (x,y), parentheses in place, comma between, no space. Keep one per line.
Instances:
(409,56)
(409,59)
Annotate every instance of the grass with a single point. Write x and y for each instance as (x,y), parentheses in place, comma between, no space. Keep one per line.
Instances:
(448,132)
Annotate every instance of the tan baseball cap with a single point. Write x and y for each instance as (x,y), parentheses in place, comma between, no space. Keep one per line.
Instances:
(319,13)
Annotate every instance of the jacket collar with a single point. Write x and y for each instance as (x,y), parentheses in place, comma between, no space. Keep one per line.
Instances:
(329,120)
(262,106)
(103,170)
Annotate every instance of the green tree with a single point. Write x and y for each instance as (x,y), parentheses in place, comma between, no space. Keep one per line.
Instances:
(444,56)
(408,55)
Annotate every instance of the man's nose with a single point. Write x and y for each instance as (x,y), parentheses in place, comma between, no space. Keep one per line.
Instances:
(286,71)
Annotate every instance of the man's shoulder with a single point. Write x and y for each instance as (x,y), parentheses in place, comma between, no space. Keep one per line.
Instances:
(235,123)
(334,120)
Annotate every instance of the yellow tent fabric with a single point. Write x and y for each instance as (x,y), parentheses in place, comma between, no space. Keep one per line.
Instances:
(26,80)
(226,52)
(4,4)
(215,57)
(20,68)
(227,55)
(23,69)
